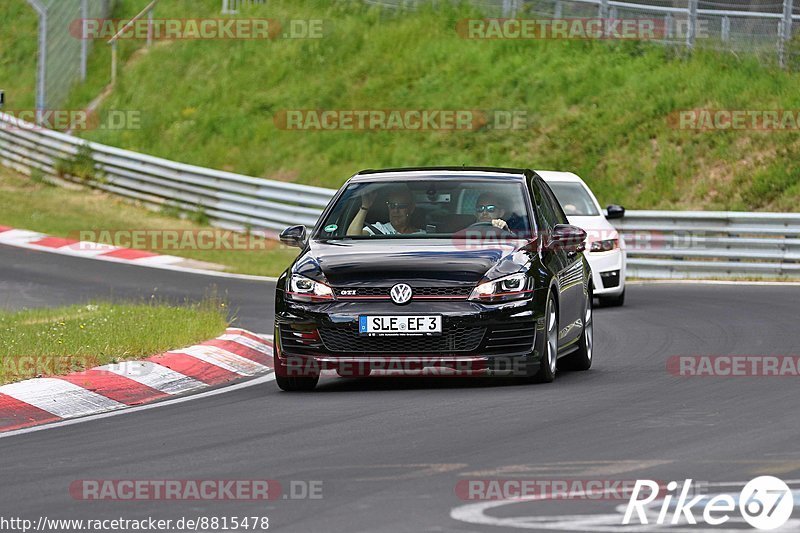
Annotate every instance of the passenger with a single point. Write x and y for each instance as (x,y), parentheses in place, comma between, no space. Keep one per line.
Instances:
(401,206)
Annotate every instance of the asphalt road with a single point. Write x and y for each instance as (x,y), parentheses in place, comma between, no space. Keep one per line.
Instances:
(389,452)
(30,279)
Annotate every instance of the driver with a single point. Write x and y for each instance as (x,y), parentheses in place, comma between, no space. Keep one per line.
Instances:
(489,209)
(401,205)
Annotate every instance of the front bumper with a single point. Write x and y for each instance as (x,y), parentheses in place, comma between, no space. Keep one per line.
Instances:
(477,339)
(603,265)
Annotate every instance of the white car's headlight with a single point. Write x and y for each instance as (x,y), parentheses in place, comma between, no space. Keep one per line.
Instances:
(604,246)
(305,289)
(501,289)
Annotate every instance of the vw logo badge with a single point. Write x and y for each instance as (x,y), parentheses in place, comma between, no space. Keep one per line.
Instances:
(400,293)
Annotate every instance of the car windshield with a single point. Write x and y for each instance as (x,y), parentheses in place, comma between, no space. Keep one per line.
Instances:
(459,207)
(574,199)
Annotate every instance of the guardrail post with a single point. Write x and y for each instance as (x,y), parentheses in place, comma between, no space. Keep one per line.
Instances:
(691,32)
(786,32)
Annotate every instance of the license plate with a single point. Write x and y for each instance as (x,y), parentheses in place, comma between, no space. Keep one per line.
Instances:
(400,325)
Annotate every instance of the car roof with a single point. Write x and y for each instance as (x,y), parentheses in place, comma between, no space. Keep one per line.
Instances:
(427,172)
(555,175)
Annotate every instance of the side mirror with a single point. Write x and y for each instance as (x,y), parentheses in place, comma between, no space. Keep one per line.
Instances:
(567,236)
(294,236)
(615,211)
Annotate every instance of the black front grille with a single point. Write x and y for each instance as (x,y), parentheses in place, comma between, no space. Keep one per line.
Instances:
(515,337)
(417,291)
(347,339)
(293,342)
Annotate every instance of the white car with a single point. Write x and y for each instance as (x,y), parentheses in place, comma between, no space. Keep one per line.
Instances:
(605,247)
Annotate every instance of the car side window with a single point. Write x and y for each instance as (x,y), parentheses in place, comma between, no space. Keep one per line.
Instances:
(545,211)
(555,207)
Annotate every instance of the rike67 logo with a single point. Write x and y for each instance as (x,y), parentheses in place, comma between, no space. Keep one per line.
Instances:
(765,503)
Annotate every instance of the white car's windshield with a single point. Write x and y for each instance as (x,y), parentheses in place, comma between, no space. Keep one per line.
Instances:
(437,208)
(574,199)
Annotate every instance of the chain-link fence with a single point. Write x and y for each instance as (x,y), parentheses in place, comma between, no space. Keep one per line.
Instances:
(768,28)
(232,7)
(62,55)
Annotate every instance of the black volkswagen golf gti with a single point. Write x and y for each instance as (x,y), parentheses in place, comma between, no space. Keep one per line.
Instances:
(435,271)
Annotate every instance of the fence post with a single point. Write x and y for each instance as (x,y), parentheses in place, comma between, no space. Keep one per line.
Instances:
(726,28)
(691,32)
(41,82)
(84,40)
(558,10)
(114,60)
(786,32)
(150,27)
(604,16)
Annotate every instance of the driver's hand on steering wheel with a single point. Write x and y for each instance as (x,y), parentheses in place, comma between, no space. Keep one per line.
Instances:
(500,223)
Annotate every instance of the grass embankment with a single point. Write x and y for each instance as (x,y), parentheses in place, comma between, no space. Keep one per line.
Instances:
(598,108)
(18,46)
(59,341)
(60,212)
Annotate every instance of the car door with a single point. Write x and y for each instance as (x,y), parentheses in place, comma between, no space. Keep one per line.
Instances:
(570,275)
(553,260)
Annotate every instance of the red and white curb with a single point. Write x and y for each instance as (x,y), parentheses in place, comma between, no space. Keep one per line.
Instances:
(236,354)
(33,240)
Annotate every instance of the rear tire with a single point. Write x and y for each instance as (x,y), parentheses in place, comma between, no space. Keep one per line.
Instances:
(612,301)
(294,384)
(548,366)
(581,359)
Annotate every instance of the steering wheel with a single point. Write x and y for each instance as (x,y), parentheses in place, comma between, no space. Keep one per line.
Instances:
(488,228)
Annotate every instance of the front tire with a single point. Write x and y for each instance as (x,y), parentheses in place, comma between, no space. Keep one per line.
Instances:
(582,358)
(296,383)
(548,366)
(612,301)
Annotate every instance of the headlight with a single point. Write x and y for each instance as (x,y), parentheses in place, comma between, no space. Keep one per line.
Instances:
(502,289)
(604,246)
(305,289)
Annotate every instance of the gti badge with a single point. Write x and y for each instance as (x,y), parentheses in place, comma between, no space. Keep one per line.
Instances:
(401,293)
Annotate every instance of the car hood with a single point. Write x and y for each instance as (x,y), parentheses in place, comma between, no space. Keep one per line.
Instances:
(385,262)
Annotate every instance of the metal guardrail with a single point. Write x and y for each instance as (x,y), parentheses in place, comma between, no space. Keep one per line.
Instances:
(660,244)
(229,200)
(717,244)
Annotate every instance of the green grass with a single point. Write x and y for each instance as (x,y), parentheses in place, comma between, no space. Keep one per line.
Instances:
(598,108)
(18,45)
(28,204)
(68,339)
